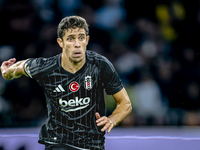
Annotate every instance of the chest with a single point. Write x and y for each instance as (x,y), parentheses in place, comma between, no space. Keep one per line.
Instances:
(72,93)
(63,84)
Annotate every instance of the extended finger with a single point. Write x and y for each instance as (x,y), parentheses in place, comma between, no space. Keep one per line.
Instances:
(110,128)
(100,119)
(105,127)
(102,122)
(12,60)
(97,115)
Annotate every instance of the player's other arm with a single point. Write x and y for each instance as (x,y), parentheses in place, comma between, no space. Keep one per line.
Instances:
(122,110)
(11,70)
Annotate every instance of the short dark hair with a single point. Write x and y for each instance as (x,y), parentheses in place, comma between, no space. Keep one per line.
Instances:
(71,22)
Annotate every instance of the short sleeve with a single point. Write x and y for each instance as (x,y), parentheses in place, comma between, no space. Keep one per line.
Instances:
(32,67)
(111,80)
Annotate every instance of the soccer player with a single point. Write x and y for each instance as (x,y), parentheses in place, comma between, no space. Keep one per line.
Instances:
(74,83)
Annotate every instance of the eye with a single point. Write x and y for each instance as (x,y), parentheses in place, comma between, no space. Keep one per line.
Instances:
(81,38)
(69,39)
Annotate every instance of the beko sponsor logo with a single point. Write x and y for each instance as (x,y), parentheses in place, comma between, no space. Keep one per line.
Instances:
(81,103)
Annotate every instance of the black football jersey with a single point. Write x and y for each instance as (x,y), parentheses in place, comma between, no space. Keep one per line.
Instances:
(73,99)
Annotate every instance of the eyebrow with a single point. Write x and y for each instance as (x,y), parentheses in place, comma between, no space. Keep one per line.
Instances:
(81,34)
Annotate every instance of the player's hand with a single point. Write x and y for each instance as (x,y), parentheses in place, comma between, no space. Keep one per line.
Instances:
(6,64)
(104,121)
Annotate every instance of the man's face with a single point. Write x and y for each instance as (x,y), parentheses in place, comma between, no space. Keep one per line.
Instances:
(74,44)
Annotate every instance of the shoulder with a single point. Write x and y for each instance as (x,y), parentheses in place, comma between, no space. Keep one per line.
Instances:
(93,56)
(45,62)
(39,66)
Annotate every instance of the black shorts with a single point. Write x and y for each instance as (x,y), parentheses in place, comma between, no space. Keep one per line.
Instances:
(60,147)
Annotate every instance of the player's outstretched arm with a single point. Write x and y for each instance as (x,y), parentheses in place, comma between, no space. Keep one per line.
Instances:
(11,70)
(122,110)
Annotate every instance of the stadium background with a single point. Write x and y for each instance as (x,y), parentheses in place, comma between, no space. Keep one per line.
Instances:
(154,46)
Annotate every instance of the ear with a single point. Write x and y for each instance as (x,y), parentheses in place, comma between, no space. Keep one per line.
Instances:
(60,42)
(87,39)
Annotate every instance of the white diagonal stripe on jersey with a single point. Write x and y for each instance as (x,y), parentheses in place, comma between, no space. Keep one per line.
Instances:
(75,109)
(61,88)
(57,89)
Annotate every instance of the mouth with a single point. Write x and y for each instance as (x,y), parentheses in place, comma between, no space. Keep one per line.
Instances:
(77,54)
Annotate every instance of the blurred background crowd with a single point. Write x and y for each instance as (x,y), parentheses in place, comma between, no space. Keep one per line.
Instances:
(154,46)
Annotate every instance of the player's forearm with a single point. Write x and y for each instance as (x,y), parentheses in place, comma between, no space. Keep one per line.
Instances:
(9,74)
(13,72)
(122,110)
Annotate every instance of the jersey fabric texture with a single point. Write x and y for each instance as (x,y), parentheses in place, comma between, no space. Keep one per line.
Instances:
(73,99)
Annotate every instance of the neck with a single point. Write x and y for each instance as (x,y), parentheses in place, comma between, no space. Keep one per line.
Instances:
(69,65)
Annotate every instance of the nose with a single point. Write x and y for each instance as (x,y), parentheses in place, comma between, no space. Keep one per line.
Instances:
(77,43)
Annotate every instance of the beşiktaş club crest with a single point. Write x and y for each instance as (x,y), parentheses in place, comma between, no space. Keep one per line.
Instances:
(88,83)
